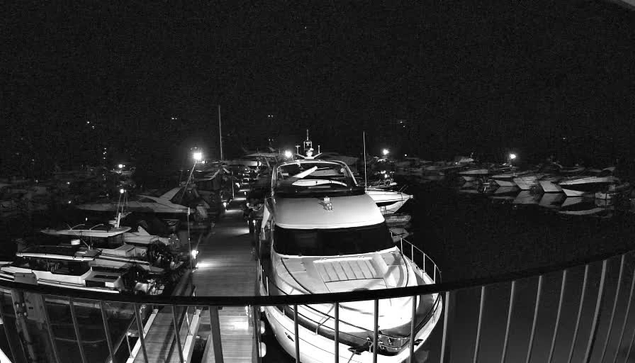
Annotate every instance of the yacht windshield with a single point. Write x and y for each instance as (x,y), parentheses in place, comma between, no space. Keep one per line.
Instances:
(314,177)
(332,242)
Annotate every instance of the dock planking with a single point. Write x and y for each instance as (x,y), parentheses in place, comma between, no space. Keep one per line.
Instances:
(226,267)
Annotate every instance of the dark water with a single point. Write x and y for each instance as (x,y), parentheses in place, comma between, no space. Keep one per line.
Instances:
(472,235)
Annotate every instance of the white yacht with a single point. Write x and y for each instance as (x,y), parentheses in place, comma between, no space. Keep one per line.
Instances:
(388,201)
(321,233)
(588,184)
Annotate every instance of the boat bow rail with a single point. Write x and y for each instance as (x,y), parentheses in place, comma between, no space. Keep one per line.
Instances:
(577,311)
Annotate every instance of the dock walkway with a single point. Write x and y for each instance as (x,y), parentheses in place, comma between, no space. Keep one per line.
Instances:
(226,267)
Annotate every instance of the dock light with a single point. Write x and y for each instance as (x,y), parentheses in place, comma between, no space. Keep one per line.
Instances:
(385,152)
(512,156)
(198,156)
(288,154)
(120,166)
(122,190)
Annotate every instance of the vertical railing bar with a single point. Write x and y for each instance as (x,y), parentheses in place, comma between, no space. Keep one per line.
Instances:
(596,314)
(628,308)
(577,321)
(555,329)
(76,327)
(47,321)
(375,329)
(617,296)
(434,279)
(217,342)
(510,310)
(424,262)
(296,331)
(104,318)
(412,330)
(337,332)
(6,329)
(177,334)
(535,319)
(630,346)
(478,324)
(444,340)
(412,252)
(141,332)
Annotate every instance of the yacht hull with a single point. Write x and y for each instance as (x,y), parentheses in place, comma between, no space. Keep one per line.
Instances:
(317,348)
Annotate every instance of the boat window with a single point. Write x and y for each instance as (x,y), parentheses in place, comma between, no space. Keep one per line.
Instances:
(332,242)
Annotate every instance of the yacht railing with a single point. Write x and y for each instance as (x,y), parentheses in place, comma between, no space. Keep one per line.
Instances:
(578,312)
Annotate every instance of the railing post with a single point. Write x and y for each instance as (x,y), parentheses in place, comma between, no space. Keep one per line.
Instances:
(445,341)
(478,324)
(104,318)
(217,344)
(596,315)
(177,334)
(76,327)
(628,309)
(375,329)
(47,322)
(141,332)
(535,319)
(577,321)
(336,349)
(510,310)
(412,329)
(555,329)
(7,333)
(617,296)
(296,331)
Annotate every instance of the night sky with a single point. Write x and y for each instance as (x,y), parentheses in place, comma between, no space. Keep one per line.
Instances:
(431,78)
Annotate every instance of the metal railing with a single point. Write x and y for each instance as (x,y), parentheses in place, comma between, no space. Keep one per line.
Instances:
(579,312)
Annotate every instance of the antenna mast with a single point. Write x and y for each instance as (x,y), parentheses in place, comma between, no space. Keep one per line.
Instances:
(364,141)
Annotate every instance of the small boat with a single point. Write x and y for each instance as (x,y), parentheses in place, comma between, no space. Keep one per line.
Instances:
(549,184)
(75,266)
(588,184)
(388,201)
(613,191)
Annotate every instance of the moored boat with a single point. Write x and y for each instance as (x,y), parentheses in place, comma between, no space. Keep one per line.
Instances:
(321,233)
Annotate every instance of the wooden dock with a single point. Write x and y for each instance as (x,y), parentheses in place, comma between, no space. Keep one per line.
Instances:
(226,267)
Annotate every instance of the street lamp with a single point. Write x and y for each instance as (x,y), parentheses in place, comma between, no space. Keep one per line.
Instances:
(511,158)
(385,152)
(197,156)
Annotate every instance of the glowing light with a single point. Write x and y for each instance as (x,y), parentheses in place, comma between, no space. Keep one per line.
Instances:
(288,154)
(194,253)
(309,153)
(385,152)
(122,190)
(512,156)
(120,166)
(197,155)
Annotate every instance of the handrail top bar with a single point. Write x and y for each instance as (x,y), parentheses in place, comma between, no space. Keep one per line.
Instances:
(305,299)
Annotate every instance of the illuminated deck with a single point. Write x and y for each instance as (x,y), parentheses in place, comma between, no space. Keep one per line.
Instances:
(226,267)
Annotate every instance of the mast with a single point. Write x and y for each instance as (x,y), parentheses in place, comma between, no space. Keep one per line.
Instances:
(220,134)
(364,141)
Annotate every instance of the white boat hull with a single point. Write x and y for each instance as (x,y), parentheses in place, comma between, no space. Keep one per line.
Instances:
(505,183)
(549,186)
(315,348)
